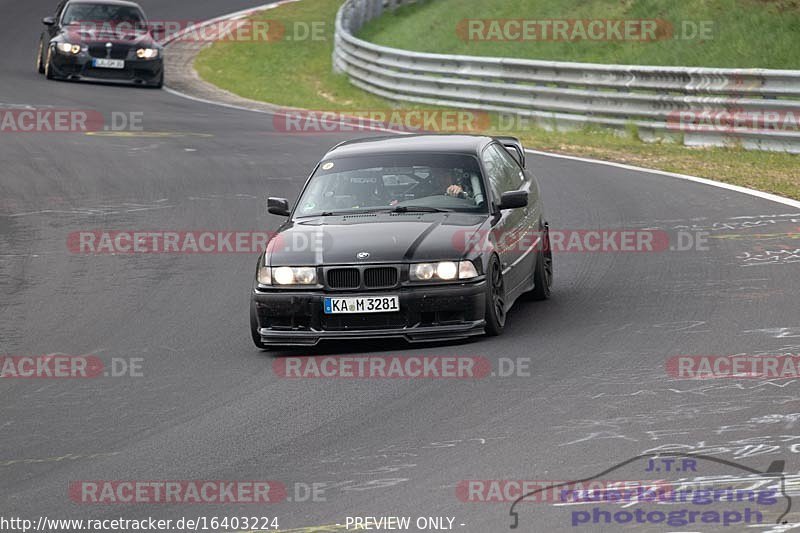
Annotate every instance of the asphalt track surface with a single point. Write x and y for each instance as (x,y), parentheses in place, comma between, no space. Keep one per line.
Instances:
(208,405)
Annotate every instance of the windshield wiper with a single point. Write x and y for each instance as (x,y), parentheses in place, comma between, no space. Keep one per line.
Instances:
(398,209)
(419,209)
(347,213)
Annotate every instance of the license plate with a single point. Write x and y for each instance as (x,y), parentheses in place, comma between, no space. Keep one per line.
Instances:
(368,304)
(108,63)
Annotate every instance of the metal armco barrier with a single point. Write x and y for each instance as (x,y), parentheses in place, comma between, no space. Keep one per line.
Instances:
(755,108)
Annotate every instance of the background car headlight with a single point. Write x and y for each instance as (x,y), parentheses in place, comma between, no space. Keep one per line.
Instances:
(68,48)
(147,53)
(443,271)
(294,276)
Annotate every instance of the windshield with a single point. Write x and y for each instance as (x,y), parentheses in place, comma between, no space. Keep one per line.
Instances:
(83,13)
(425,181)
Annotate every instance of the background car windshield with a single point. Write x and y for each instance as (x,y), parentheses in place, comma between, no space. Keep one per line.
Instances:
(353,184)
(102,13)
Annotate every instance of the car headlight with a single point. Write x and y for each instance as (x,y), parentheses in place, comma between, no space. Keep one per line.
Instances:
(443,271)
(467,270)
(265,275)
(294,276)
(68,48)
(147,53)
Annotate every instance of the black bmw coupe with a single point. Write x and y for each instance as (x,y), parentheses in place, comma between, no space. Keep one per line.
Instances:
(102,40)
(422,237)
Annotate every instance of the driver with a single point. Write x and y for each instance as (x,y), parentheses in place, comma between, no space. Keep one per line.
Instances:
(446,181)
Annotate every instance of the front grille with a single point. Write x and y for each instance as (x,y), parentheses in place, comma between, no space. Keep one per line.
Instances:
(344,278)
(118,51)
(380,277)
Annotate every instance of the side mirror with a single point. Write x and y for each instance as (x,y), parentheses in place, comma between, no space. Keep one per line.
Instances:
(49,21)
(278,206)
(513,200)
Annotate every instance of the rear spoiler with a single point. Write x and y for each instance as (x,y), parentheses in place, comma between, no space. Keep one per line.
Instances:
(514,147)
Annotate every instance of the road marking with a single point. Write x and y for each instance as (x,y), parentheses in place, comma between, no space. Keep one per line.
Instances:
(737,188)
(69,456)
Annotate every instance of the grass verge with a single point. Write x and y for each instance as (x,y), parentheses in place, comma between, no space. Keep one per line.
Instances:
(297,73)
(711,33)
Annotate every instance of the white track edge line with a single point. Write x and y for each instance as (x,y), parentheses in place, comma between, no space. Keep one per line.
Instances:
(696,179)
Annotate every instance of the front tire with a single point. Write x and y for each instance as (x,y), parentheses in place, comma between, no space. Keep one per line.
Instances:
(39,62)
(254,328)
(495,314)
(543,271)
(48,68)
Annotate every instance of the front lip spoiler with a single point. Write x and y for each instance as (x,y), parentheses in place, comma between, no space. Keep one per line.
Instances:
(61,71)
(138,82)
(271,337)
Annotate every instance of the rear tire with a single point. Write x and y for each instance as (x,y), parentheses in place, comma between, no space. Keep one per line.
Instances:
(254,328)
(495,314)
(543,271)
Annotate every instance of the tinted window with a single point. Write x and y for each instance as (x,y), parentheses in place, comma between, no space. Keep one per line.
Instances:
(76,13)
(504,173)
(385,182)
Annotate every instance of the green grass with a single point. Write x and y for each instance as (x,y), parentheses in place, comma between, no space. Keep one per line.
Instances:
(742,33)
(295,73)
(298,74)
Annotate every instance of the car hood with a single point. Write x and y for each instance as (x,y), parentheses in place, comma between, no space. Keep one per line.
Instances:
(89,35)
(387,238)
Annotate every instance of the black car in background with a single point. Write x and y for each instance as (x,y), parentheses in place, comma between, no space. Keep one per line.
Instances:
(422,237)
(101,40)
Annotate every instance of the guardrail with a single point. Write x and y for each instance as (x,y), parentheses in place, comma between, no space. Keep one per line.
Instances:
(756,108)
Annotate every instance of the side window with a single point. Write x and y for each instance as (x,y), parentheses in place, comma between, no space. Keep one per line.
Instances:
(515,175)
(494,171)
(503,172)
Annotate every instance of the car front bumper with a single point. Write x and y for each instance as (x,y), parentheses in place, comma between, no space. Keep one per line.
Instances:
(136,71)
(430,313)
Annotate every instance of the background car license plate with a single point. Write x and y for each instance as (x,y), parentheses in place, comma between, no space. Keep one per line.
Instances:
(370,304)
(108,63)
